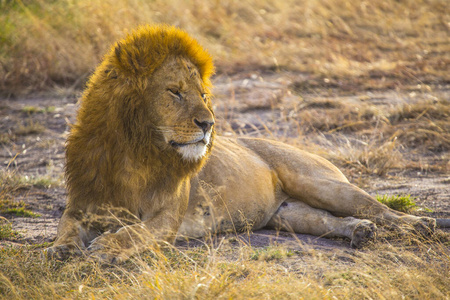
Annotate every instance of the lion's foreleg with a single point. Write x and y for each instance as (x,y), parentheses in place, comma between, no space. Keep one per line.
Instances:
(156,228)
(72,237)
(130,240)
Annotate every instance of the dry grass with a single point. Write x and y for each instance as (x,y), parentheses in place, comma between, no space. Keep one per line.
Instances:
(370,155)
(361,136)
(412,267)
(423,124)
(28,127)
(351,44)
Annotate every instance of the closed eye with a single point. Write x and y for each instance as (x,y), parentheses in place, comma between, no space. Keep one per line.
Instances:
(176,93)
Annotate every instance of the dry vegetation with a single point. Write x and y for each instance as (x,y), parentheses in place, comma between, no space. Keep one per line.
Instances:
(363,83)
(353,44)
(233,269)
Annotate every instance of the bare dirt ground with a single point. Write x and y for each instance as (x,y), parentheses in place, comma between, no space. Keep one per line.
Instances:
(33,132)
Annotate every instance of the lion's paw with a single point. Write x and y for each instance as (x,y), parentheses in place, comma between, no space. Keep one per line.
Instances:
(106,249)
(109,257)
(364,232)
(61,252)
(101,242)
(425,226)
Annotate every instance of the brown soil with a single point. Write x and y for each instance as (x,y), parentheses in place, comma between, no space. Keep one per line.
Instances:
(32,145)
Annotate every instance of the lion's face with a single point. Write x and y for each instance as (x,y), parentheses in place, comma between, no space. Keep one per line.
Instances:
(183,117)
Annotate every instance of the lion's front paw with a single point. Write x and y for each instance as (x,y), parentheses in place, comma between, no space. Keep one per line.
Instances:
(107,248)
(61,252)
(364,231)
(109,256)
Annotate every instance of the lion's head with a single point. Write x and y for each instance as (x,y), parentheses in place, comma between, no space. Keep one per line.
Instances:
(156,82)
(146,109)
(170,71)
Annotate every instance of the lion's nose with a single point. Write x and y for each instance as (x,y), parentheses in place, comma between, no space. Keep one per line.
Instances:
(204,125)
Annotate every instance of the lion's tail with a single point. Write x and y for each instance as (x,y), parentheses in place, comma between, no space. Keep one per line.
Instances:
(443,223)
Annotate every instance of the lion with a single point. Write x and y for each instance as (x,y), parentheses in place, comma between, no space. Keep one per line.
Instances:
(143,163)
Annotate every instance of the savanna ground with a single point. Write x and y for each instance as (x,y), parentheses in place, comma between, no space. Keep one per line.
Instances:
(363,83)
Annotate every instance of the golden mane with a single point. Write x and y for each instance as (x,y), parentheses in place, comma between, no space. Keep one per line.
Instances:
(147,47)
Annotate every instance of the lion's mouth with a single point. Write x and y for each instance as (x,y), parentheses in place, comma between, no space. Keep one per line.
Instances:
(179,145)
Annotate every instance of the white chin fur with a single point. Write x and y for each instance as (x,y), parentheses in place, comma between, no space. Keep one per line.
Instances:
(193,152)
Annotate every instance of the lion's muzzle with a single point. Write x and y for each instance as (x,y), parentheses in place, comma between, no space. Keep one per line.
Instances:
(194,149)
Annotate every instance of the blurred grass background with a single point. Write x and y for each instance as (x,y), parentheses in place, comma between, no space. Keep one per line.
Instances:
(47,44)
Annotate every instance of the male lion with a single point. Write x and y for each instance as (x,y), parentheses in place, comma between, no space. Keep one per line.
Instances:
(140,165)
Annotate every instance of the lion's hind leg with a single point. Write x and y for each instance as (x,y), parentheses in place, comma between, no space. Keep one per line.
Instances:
(315,181)
(299,217)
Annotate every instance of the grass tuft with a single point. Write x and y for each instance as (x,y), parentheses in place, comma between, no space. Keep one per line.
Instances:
(18,209)
(12,182)
(5,138)
(403,203)
(423,124)
(30,127)
(270,253)
(6,230)
(34,109)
